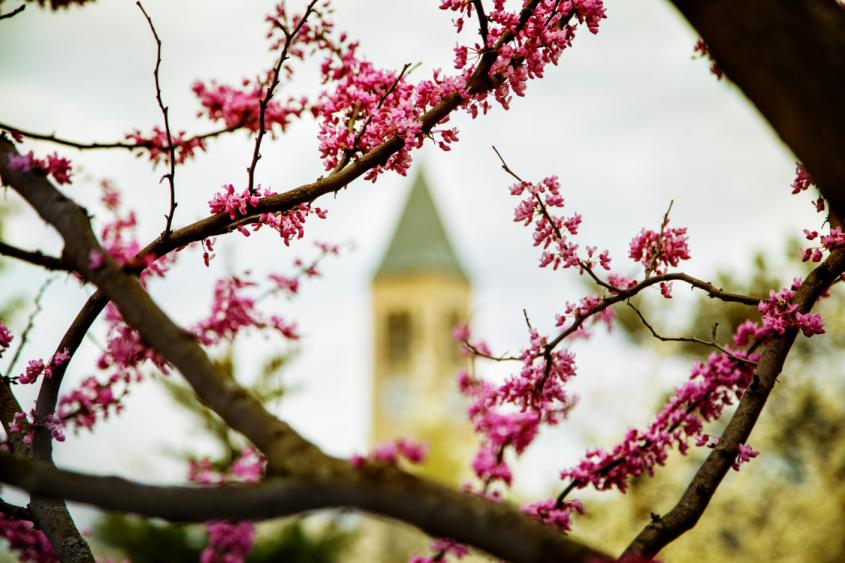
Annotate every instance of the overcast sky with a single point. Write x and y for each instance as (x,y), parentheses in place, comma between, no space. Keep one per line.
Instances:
(628,121)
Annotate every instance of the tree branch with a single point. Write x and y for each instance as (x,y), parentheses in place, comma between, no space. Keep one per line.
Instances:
(691,339)
(799,91)
(262,105)
(171,177)
(106,145)
(33,257)
(663,530)
(283,447)
(441,512)
(14,12)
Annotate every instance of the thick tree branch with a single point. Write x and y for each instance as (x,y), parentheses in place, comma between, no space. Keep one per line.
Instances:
(788,57)
(441,512)
(661,531)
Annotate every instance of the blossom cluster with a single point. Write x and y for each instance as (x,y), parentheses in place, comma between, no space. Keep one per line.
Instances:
(228,542)
(25,540)
(240,107)
(391,452)
(554,513)
(24,424)
(834,239)
(157,145)
(54,165)
(368,105)
(802,182)
(5,338)
(288,224)
(232,311)
(37,367)
(442,548)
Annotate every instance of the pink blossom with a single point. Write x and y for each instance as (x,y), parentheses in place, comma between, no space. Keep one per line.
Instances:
(249,466)
(156,145)
(392,452)
(231,203)
(5,338)
(656,251)
(744,454)
(557,515)
(228,542)
(95,260)
(54,165)
(461,332)
(803,179)
(26,541)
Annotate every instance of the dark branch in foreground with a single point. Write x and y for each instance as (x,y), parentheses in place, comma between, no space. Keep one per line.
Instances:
(808,38)
(663,530)
(499,529)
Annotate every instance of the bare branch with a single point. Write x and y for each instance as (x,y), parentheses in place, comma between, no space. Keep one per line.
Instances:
(482,21)
(171,177)
(693,339)
(30,322)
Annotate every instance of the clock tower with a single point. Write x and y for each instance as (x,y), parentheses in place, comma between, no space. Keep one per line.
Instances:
(420,292)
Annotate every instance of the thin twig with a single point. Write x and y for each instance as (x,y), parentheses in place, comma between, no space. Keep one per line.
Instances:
(693,339)
(476,352)
(33,257)
(268,95)
(658,243)
(30,322)
(482,21)
(171,177)
(14,12)
(115,145)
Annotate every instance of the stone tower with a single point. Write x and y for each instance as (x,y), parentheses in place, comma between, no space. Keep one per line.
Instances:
(420,292)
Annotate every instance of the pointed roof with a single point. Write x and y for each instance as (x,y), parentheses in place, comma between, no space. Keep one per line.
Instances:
(420,243)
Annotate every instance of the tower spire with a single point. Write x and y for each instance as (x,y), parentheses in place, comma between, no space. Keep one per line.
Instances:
(420,243)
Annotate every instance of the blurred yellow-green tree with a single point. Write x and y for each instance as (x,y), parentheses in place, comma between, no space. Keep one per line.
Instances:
(787,505)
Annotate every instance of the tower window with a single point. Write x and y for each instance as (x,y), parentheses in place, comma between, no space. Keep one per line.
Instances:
(398,337)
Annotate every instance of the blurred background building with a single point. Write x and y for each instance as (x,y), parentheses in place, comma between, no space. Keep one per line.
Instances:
(420,292)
